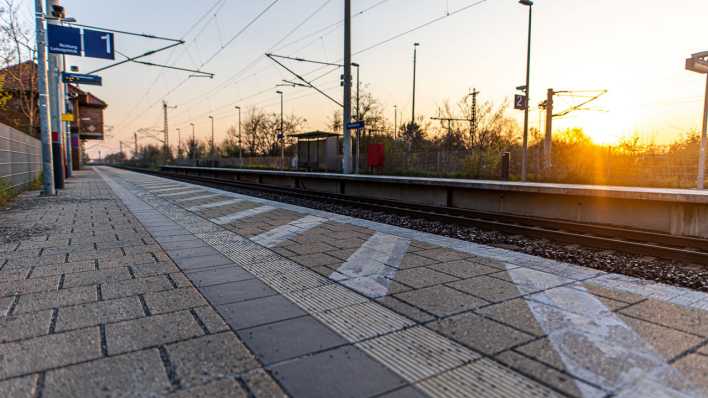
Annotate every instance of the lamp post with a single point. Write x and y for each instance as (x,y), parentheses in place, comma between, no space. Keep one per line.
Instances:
(212,136)
(358,118)
(699,63)
(524,155)
(179,143)
(415,61)
(395,122)
(240,148)
(194,142)
(281,135)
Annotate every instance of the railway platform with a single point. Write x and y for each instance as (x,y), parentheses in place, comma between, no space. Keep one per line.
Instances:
(129,284)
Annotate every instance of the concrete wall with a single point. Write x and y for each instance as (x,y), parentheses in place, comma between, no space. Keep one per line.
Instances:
(674,212)
(20,158)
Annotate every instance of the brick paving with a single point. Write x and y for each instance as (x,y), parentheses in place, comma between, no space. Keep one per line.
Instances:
(90,305)
(131,285)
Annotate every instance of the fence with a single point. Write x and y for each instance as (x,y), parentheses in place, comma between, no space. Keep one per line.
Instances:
(20,158)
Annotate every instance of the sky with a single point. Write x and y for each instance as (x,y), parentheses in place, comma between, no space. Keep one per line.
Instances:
(634,49)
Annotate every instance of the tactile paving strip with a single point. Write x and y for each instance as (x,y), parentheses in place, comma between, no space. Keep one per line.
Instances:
(324,298)
(418,353)
(363,321)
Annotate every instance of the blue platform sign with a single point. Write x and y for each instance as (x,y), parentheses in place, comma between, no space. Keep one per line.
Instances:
(355,125)
(98,44)
(77,78)
(63,40)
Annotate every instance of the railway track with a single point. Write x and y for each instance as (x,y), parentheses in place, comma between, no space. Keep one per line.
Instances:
(646,243)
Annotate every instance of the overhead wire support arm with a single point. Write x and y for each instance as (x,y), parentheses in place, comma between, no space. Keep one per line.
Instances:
(180,41)
(133,59)
(302,79)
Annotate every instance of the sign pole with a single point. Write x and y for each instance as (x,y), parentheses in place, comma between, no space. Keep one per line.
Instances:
(54,109)
(47,171)
(347,114)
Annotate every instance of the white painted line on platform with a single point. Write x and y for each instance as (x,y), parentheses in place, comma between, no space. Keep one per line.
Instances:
(282,233)
(180,193)
(241,215)
(202,197)
(215,205)
(158,191)
(594,343)
(366,270)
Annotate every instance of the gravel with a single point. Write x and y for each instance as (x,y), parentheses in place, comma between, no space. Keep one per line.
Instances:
(675,273)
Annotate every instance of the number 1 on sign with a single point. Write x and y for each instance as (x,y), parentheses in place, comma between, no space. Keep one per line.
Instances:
(107,38)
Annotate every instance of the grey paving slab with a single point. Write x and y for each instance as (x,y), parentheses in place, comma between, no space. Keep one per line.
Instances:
(46,352)
(211,320)
(204,359)
(490,289)
(90,314)
(60,298)
(666,341)
(20,387)
(151,331)
(139,374)
(173,300)
(516,313)
(441,300)
(695,367)
(5,303)
(339,372)
(671,315)
(222,388)
(405,309)
(96,277)
(178,254)
(405,392)
(67,268)
(22,326)
(549,376)
(289,339)
(133,287)
(480,334)
(194,263)
(181,245)
(219,275)
(422,277)
(464,268)
(262,385)
(236,291)
(260,311)
(29,286)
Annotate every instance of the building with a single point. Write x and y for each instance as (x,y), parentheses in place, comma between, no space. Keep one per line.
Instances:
(21,111)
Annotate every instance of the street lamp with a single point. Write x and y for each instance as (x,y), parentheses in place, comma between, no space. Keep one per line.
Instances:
(358,118)
(281,135)
(194,142)
(179,143)
(415,59)
(524,155)
(240,150)
(699,63)
(212,136)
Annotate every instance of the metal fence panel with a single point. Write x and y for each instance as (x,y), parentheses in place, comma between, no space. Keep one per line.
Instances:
(20,158)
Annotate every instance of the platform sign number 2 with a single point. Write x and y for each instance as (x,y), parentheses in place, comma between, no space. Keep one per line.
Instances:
(98,44)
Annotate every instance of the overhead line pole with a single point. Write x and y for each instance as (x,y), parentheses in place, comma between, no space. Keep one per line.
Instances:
(48,188)
(524,155)
(347,114)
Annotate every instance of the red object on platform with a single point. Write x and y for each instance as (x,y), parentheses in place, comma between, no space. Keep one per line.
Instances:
(55,137)
(376,155)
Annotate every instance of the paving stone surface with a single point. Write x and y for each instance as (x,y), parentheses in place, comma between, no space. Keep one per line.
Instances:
(133,285)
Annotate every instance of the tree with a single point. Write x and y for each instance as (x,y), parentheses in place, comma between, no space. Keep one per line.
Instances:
(19,76)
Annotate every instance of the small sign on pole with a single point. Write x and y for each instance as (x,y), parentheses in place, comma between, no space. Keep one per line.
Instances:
(520,102)
(356,125)
(77,78)
(67,117)
(63,40)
